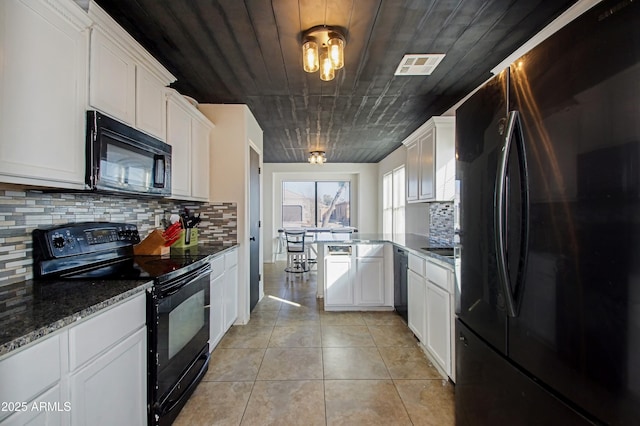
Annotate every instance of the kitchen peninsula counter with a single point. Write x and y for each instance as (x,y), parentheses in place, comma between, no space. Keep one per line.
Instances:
(412,242)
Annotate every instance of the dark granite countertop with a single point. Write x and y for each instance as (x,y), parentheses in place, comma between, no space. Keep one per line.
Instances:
(412,242)
(44,307)
(32,309)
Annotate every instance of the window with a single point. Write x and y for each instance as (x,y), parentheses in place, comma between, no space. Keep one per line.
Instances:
(393,201)
(387,203)
(320,204)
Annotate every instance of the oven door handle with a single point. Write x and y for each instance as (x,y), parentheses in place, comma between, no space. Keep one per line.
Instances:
(182,282)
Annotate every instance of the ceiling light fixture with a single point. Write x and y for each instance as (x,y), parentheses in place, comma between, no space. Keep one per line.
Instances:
(323,49)
(317,157)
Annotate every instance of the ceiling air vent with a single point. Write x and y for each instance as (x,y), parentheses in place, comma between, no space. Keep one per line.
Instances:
(419,64)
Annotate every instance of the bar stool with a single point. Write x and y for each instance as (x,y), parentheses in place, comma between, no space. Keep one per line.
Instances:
(297,252)
(310,245)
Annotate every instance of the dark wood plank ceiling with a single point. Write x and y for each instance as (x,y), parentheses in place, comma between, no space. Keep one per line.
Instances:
(249,52)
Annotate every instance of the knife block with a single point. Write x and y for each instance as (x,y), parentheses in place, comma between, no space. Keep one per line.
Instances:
(192,237)
(153,244)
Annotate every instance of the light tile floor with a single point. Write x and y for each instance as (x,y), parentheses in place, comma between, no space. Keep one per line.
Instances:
(295,364)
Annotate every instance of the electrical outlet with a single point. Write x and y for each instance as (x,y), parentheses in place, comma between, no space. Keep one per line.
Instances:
(158,219)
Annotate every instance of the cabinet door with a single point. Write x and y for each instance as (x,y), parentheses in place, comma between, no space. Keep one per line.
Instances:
(50,413)
(25,381)
(338,277)
(151,106)
(112,390)
(413,159)
(370,281)
(438,340)
(199,160)
(216,311)
(112,79)
(230,296)
(416,304)
(427,165)
(179,137)
(43,82)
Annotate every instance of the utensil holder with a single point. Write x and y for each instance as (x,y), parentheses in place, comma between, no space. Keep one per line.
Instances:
(188,238)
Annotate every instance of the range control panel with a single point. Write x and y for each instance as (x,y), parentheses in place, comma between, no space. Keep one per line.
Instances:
(82,238)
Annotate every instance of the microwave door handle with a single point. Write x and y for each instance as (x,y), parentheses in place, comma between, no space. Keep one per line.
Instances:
(159,167)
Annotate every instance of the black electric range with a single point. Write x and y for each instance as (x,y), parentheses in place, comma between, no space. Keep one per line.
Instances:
(177,304)
(102,250)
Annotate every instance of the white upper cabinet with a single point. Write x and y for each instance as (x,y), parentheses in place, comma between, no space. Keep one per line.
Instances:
(151,112)
(188,134)
(413,161)
(427,146)
(179,137)
(126,82)
(43,92)
(113,78)
(431,161)
(200,130)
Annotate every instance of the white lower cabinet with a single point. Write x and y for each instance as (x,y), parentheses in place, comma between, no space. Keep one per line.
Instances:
(370,281)
(339,279)
(43,412)
(416,293)
(230,294)
(30,385)
(223,307)
(431,308)
(92,373)
(216,311)
(356,280)
(112,389)
(438,319)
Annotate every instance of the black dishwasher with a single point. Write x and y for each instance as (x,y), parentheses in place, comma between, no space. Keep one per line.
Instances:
(400,266)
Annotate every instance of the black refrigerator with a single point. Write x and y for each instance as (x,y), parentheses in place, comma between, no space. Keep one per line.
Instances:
(548,221)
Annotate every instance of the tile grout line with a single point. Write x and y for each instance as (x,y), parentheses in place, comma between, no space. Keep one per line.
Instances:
(253,385)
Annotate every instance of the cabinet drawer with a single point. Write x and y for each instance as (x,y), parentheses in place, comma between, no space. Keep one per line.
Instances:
(439,276)
(217,267)
(20,381)
(417,264)
(370,250)
(231,259)
(92,337)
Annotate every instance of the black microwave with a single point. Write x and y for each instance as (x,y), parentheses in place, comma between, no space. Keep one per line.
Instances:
(123,159)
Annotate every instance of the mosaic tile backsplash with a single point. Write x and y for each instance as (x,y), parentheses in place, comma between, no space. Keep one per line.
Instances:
(21,211)
(441,223)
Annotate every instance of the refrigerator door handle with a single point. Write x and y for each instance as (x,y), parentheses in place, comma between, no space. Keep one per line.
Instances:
(500,213)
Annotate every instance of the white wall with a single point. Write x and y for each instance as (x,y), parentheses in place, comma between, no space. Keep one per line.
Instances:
(364,194)
(235,131)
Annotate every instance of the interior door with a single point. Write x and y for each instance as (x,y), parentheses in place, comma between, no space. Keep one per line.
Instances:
(254,227)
